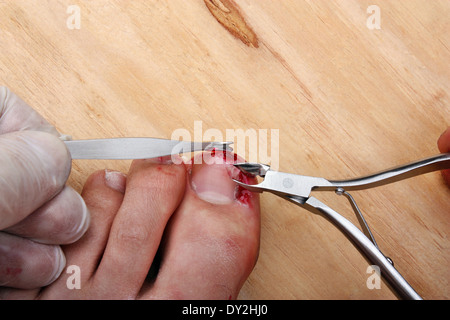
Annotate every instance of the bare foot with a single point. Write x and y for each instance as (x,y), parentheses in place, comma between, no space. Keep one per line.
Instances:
(164,232)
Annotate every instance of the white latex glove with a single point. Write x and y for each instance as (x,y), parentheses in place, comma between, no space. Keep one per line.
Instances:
(37,211)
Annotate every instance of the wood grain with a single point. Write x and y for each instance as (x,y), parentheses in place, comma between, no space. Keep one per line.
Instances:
(347,101)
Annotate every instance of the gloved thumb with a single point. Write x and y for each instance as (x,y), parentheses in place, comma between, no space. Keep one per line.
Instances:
(34,167)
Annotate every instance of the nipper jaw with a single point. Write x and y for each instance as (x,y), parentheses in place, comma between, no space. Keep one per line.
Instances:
(287,185)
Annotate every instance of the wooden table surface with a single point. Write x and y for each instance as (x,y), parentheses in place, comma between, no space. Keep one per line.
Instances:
(350,94)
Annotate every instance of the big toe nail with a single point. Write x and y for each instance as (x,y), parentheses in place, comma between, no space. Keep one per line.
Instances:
(211,177)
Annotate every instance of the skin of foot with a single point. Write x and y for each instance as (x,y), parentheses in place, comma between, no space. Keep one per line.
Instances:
(163,231)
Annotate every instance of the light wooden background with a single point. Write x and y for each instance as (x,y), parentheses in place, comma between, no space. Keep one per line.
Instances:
(347,100)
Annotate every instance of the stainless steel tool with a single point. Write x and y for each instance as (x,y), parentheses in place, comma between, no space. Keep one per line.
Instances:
(297,189)
(136,148)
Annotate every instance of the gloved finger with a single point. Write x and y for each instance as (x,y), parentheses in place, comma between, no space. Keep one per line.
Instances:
(34,167)
(25,264)
(16,115)
(62,220)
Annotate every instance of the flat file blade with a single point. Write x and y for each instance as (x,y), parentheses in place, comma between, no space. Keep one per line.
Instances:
(136,148)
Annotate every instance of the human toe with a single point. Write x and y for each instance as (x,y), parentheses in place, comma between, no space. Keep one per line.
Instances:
(212,242)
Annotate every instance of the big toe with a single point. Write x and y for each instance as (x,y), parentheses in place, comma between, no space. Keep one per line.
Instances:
(212,242)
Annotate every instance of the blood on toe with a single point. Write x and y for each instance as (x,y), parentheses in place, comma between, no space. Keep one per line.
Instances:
(243,195)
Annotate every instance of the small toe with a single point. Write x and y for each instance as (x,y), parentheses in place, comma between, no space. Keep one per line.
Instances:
(153,192)
(103,195)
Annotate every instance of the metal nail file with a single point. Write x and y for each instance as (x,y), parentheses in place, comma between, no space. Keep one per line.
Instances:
(136,148)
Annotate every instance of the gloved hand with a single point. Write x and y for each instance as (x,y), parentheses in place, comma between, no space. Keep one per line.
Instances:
(37,211)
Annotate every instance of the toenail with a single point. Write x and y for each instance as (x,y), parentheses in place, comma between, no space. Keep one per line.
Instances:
(115,180)
(212,182)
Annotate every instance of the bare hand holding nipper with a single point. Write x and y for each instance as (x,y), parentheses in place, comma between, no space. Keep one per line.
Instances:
(297,189)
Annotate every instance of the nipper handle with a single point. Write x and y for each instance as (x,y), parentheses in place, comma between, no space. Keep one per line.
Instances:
(438,162)
(399,285)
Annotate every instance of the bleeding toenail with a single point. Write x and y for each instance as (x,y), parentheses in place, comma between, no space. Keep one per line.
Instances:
(115,180)
(212,179)
(212,182)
